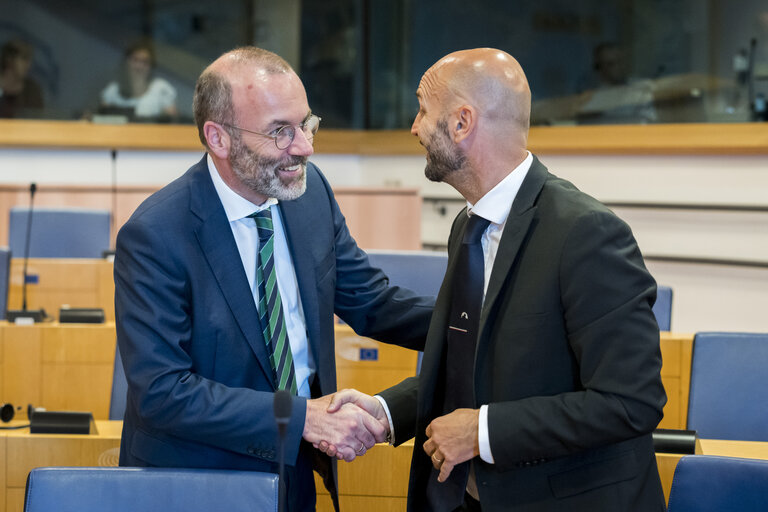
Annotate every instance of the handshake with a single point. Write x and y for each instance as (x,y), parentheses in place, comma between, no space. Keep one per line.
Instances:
(345,424)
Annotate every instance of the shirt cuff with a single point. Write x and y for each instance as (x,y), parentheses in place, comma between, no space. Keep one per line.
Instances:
(482,436)
(391,437)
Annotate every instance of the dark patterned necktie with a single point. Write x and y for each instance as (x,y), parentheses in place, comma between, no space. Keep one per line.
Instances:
(270,306)
(464,321)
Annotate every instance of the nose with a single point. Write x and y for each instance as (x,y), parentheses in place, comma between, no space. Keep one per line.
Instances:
(415,126)
(301,144)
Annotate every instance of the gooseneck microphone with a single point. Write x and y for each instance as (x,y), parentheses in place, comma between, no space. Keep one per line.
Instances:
(24,314)
(282,408)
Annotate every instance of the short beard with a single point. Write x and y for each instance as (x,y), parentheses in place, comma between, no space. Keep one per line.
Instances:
(443,158)
(260,173)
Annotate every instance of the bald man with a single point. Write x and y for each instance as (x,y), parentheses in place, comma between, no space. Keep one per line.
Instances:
(226,285)
(548,402)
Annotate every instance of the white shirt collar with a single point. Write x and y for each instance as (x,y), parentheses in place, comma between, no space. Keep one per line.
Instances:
(235,206)
(496,204)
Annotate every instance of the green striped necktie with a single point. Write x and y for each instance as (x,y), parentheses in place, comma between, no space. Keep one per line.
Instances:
(271,307)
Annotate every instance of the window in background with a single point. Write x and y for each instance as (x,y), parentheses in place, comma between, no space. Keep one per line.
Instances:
(626,61)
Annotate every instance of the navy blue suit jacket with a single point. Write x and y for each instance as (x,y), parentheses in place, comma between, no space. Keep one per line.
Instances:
(200,382)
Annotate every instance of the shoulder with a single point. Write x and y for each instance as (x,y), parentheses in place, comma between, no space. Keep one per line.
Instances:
(170,202)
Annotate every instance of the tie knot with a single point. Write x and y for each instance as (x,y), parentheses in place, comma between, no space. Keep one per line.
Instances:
(474,230)
(263,220)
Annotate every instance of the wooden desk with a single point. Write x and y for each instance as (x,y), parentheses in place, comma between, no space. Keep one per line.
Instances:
(79,282)
(21,451)
(59,367)
(378,481)
(370,366)
(676,376)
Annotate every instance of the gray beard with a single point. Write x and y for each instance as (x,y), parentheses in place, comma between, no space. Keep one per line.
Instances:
(442,158)
(261,175)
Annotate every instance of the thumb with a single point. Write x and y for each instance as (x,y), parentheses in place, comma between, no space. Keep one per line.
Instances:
(340,398)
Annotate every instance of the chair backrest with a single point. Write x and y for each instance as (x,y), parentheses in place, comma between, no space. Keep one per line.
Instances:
(729,375)
(5,276)
(663,307)
(707,483)
(59,232)
(420,271)
(120,489)
(118,398)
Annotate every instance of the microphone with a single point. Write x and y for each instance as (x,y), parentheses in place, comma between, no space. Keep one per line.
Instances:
(282,408)
(24,315)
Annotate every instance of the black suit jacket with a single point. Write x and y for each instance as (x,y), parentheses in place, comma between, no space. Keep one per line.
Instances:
(568,360)
(200,385)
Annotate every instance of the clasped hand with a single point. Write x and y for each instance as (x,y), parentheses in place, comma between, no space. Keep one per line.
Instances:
(344,427)
(451,439)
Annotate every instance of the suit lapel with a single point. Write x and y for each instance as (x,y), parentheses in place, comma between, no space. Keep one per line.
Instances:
(220,251)
(518,223)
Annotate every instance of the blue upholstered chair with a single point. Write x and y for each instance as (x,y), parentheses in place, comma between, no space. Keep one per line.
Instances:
(98,489)
(729,374)
(118,398)
(705,483)
(59,232)
(420,271)
(663,307)
(5,276)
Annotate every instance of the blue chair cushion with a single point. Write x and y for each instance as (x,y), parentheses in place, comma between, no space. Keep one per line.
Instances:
(100,489)
(705,483)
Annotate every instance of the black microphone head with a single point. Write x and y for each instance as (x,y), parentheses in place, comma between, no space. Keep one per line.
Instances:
(32,187)
(282,405)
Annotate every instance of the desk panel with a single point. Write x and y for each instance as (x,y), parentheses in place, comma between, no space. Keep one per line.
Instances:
(21,451)
(78,282)
(676,377)
(59,367)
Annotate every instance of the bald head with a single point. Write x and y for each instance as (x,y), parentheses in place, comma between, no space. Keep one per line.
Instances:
(213,91)
(489,79)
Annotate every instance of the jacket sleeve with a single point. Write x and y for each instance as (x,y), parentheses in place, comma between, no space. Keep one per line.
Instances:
(605,299)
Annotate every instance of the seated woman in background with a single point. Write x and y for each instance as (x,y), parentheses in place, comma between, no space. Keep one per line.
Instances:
(136,92)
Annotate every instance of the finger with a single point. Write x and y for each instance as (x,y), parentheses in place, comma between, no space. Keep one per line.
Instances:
(437,460)
(347,455)
(375,428)
(430,447)
(445,471)
(429,430)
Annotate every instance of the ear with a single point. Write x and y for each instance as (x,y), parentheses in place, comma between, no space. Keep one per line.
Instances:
(218,139)
(465,120)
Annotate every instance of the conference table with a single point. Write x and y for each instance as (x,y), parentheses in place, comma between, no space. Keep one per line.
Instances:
(376,482)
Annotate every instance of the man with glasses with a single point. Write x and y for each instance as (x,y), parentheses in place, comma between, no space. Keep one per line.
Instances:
(227,281)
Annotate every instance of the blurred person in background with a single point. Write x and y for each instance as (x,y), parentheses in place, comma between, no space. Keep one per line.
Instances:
(20,95)
(137,92)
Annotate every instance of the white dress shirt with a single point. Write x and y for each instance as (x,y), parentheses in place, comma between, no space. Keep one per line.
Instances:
(246,236)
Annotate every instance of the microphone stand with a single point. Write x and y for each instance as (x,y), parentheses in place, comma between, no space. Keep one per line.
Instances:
(24,315)
(282,409)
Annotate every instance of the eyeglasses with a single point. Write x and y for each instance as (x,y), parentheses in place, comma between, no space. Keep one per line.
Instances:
(284,135)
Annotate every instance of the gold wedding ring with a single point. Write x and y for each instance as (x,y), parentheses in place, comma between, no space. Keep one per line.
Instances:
(434,457)
(360,450)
